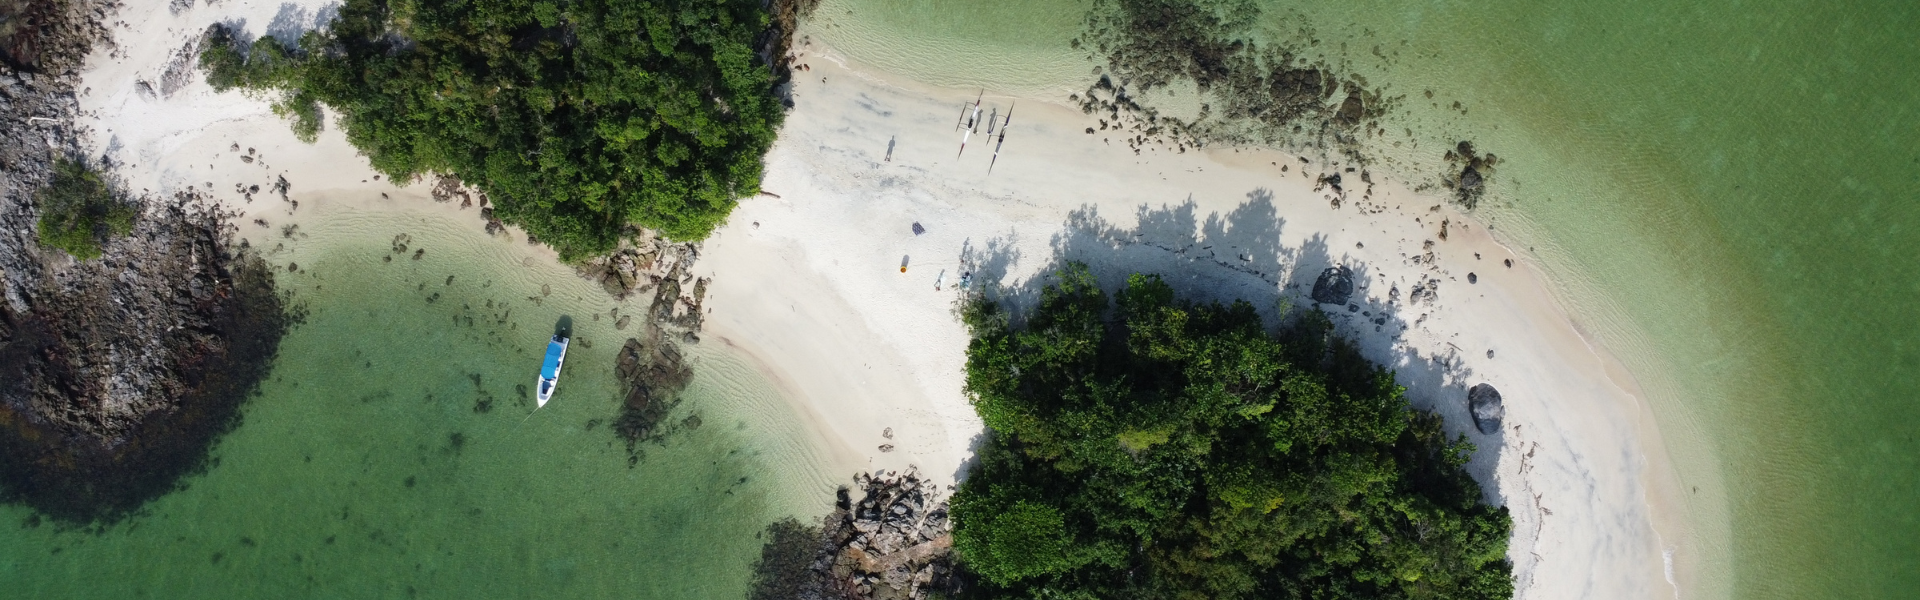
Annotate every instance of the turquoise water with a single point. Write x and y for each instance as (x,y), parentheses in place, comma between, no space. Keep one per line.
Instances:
(370,466)
(1727,193)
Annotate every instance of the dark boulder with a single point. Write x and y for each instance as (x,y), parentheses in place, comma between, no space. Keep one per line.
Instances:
(1335,286)
(1484,402)
(1471,180)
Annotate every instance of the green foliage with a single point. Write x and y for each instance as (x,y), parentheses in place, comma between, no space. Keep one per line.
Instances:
(78,213)
(1163,449)
(577,118)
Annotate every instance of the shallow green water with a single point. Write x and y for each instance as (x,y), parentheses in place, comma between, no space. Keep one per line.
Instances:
(1728,193)
(365,470)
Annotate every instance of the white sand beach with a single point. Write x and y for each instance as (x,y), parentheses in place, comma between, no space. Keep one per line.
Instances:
(807,279)
(809,282)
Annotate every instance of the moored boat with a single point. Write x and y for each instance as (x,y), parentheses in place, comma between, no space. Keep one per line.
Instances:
(550,369)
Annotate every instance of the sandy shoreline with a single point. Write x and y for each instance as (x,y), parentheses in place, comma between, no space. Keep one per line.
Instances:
(808,283)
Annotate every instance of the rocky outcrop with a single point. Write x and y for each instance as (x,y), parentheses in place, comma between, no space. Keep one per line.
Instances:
(117,374)
(650,366)
(49,36)
(1484,402)
(1470,172)
(895,543)
(651,264)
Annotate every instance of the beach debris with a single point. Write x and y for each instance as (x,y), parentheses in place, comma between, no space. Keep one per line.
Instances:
(917,229)
(887,434)
(903,263)
(1485,404)
(1472,278)
(886,447)
(1334,286)
(1427,291)
(1509,263)
(937,281)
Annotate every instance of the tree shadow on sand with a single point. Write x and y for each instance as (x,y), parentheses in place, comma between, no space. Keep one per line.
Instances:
(1240,255)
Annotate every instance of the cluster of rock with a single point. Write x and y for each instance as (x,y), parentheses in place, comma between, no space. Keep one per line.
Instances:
(118,373)
(1470,168)
(647,263)
(652,373)
(894,544)
(650,366)
(50,36)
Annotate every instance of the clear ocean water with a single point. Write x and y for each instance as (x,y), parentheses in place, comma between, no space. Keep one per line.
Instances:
(391,455)
(1726,193)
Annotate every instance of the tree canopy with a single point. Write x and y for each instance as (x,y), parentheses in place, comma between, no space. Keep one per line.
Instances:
(79,213)
(577,117)
(1165,449)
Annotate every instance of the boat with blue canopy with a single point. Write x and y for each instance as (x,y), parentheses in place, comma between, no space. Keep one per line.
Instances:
(550,369)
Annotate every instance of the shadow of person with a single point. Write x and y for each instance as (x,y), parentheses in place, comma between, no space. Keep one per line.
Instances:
(563,327)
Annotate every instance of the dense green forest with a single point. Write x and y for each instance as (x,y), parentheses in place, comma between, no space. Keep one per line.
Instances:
(576,117)
(79,213)
(1166,449)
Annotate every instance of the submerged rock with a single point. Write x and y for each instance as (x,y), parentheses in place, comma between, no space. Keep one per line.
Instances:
(1484,403)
